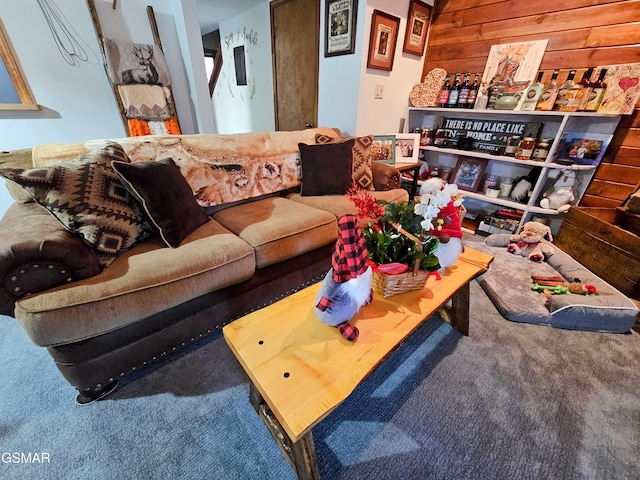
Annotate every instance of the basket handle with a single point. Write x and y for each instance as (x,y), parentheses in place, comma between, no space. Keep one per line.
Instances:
(416,264)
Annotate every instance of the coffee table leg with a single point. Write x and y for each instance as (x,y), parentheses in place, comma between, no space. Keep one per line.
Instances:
(460,309)
(301,455)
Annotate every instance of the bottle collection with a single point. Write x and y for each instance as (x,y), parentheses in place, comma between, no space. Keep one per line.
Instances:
(583,96)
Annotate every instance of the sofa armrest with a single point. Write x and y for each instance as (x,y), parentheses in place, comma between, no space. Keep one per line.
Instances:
(385,176)
(37,253)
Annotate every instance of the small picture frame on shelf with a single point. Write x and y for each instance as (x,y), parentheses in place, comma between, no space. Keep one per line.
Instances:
(383,149)
(468,173)
(407,147)
(583,148)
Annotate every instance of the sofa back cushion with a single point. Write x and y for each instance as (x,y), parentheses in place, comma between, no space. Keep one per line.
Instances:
(89,200)
(219,168)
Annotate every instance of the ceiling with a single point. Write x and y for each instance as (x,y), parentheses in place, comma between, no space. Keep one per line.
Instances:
(212,12)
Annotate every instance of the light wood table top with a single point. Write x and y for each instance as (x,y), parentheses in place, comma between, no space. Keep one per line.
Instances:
(304,369)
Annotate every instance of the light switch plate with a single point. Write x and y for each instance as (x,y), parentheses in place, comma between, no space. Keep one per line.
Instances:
(379,91)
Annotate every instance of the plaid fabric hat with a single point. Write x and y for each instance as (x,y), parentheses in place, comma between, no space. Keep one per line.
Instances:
(350,255)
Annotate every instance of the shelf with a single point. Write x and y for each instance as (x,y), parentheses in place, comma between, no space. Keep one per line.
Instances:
(506,202)
(488,128)
(506,113)
(502,158)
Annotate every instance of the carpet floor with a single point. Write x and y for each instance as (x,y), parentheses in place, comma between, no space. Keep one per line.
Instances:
(511,401)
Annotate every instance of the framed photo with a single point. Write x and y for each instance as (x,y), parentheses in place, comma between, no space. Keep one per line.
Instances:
(407,147)
(583,148)
(468,173)
(383,148)
(383,39)
(340,27)
(415,37)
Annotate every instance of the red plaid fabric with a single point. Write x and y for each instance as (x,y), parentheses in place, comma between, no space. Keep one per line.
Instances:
(348,331)
(350,255)
(324,303)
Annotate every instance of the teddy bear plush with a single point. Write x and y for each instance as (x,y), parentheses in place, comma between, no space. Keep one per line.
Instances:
(528,242)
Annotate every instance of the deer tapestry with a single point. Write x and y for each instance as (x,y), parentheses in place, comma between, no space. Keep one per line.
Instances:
(130,63)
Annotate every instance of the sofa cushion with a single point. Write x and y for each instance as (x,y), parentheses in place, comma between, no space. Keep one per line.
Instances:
(279,229)
(17,159)
(143,281)
(326,169)
(340,205)
(361,155)
(165,196)
(87,197)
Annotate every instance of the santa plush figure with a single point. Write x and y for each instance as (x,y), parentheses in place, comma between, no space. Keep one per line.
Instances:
(449,228)
(347,285)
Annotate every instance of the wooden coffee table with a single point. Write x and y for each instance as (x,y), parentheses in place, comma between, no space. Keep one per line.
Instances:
(301,369)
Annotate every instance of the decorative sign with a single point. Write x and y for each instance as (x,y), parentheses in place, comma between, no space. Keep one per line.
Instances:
(487,135)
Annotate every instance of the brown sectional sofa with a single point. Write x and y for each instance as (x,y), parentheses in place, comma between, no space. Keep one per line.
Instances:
(101,324)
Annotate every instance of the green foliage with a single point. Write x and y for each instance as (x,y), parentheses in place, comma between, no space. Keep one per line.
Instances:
(386,245)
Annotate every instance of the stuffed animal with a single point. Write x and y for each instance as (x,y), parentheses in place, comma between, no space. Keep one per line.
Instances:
(347,285)
(528,243)
(450,235)
(559,199)
(523,186)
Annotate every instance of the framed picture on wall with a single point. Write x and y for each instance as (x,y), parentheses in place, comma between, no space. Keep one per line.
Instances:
(383,148)
(415,36)
(468,173)
(382,41)
(340,27)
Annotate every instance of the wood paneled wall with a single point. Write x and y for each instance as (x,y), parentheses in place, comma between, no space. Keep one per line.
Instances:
(581,34)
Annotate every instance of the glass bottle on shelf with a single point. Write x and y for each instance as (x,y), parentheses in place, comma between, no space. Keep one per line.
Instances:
(596,93)
(464,91)
(566,86)
(455,92)
(532,94)
(443,98)
(473,93)
(585,85)
(573,95)
(548,97)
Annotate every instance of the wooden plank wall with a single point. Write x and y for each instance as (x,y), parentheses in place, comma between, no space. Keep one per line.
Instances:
(581,34)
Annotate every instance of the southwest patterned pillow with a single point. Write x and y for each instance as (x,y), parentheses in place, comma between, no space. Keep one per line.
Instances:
(87,197)
(362,173)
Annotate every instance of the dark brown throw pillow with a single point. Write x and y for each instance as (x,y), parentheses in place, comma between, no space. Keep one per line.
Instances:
(88,199)
(326,168)
(165,196)
(362,173)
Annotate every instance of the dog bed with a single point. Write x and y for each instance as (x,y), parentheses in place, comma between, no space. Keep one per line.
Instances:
(508,284)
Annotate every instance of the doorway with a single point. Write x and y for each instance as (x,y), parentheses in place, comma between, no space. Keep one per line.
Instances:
(295,40)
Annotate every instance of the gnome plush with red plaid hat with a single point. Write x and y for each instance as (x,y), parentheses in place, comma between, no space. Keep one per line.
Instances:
(447,224)
(347,285)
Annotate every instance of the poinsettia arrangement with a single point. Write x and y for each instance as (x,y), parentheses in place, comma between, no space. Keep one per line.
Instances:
(385,234)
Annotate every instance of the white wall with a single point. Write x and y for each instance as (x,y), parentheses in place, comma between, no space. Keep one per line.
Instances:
(76,99)
(339,79)
(246,108)
(381,116)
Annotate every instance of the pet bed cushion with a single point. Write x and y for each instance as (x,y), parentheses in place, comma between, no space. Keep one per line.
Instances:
(508,284)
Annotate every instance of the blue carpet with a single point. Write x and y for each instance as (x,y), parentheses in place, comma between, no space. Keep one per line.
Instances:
(511,401)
